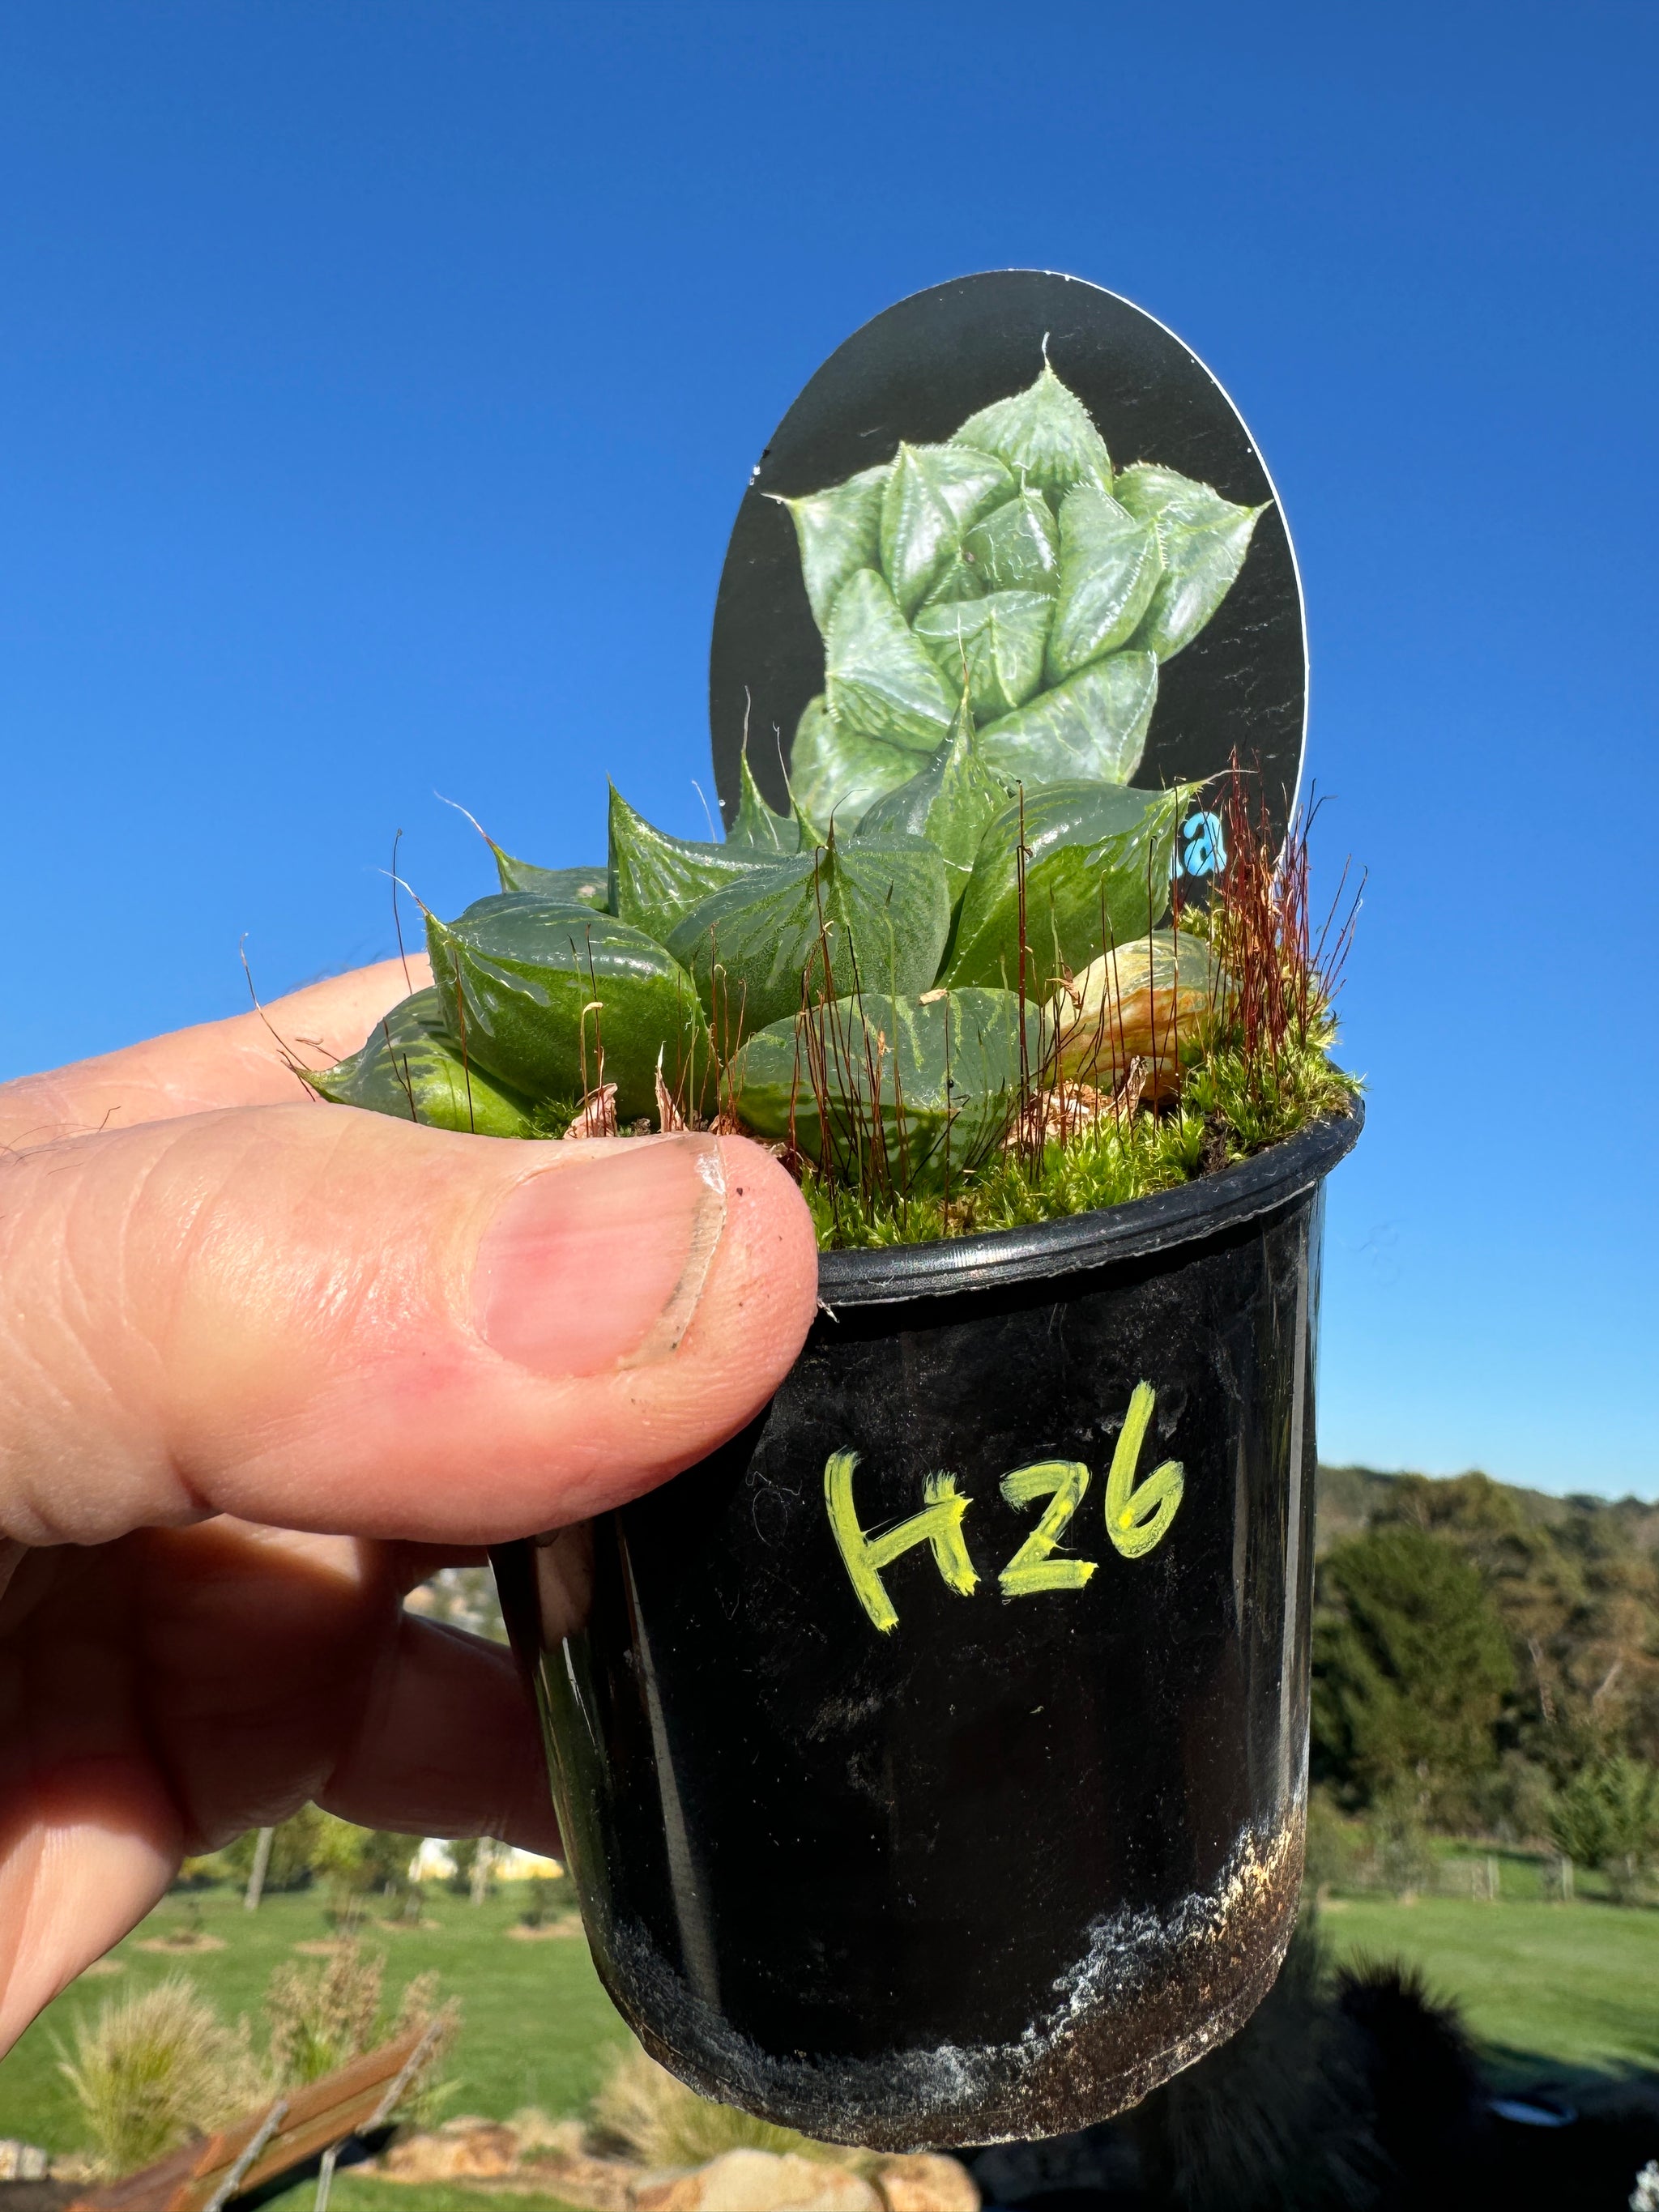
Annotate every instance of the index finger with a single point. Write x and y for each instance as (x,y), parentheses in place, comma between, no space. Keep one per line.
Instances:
(238,1062)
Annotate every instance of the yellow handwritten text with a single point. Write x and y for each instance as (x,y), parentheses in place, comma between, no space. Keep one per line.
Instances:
(1031,1568)
(938,1525)
(1138,1517)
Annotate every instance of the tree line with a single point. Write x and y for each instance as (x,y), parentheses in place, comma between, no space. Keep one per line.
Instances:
(1486,1661)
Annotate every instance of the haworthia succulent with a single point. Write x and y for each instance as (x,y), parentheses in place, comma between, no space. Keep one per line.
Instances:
(835,777)
(1109,565)
(1203,539)
(933,494)
(933,1083)
(1092,726)
(1016,547)
(996,644)
(879,904)
(552,998)
(410,1066)
(589,886)
(756,829)
(879,679)
(1098,873)
(654,878)
(1045,434)
(838,531)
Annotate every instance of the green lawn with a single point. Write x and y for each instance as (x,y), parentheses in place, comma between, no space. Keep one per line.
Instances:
(536,2027)
(1546,1987)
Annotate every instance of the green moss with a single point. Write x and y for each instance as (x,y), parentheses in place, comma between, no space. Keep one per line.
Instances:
(1230,1108)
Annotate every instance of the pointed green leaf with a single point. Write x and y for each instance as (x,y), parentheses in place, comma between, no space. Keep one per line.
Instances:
(934,1083)
(1203,539)
(997,643)
(1094,727)
(1097,871)
(880,904)
(1201,563)
(1045,434)
(1109,565)
(588,886)
(838,531)
(834,777)
(1016,547)
(553,999)
(654,878)
(879,680)
(950,802)
(1153,492)
(933,494)
(409,1067)
(961,577)
(756,829)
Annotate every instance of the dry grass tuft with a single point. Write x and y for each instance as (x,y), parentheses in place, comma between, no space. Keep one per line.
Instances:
(155,2068)
(643,2110)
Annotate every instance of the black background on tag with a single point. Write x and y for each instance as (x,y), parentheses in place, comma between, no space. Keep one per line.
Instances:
(917,372)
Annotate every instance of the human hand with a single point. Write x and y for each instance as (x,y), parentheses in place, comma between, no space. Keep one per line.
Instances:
(265,1364)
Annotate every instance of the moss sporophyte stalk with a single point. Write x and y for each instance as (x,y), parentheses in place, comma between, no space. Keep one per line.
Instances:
(955,987)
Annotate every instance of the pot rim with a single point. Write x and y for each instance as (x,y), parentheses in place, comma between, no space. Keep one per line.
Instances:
(1162,1222)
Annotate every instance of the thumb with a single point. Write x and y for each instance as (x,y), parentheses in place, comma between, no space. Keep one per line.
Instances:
(330,1321)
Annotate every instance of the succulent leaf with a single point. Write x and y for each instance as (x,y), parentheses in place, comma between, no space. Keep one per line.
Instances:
(654,878)
(1145,1000)
(880,904)
(1202,561)
(920,1067)
(996,643)
(933,495)
(541,986)
(1093,726)
(1109,565)
(1153,492)
(832,776)
(1044,434)
(1098,872)
(838,531)
(756,829)
(1203,538)
(879,680)
(408,1067)
(949,803)
(1016,547)
(588,886)
(961,577)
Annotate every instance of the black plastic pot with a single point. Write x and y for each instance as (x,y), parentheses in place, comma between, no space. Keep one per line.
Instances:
(998,1866)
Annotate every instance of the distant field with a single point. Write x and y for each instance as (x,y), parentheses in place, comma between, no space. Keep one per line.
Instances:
(1549,1989)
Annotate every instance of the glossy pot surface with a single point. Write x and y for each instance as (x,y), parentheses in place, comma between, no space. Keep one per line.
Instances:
(931,1760)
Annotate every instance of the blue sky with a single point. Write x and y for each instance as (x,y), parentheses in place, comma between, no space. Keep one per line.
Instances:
(378,386)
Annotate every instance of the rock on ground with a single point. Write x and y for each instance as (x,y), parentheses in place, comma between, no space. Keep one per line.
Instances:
(926,2183)
(758,2181)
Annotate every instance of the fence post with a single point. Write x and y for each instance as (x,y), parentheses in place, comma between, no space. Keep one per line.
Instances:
(256,1881)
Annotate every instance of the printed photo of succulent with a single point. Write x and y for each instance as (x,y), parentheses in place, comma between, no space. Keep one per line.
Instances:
(1010,581)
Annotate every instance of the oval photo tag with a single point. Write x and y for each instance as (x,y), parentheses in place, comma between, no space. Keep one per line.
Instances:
(1015,510)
